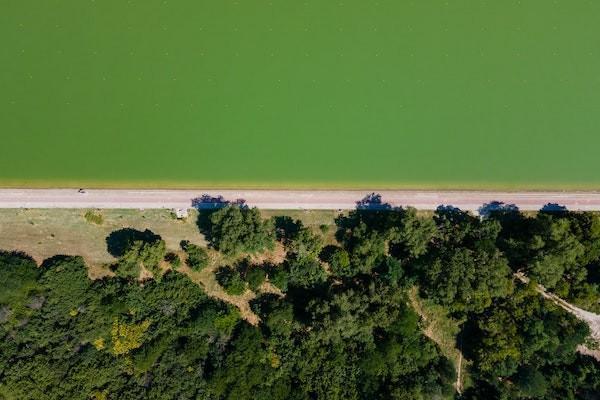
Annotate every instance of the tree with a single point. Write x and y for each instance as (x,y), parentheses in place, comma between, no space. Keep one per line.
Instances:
(305,272)
(20,291)
(464,270)
(411,236)
(236,229)
(304,243)
(136,249)
(127,337)
(531,382)
(255,276)
(141,253)
(173,259)
(196,256)
(339,262)
(231,280)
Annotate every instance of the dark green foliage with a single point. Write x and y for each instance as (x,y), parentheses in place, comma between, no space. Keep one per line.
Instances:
(235,229)
(560,250)
(412,234)
(231,280)
(523,329)
(464,270)
(197,257)
(305,272)
(341,331)
(136,249)
(19,291)
(255,276)
(304,243)
(339,262)
(57,352)
(173,259)
(531,382)
(280,278)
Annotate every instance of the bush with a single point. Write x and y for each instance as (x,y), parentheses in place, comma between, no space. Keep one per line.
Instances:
(197,257)
(280,278)
(137,249)
(340,262)
(236,229)
(231,280)
(306,272)
(173,259)
(255,277)
(93,217)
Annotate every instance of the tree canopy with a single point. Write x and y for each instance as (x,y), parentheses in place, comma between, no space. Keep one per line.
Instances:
(339,318)
(237,229)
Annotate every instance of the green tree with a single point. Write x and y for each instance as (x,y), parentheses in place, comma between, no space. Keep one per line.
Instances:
(531,382)
(255,276)
(304,243)
(196,256)
(236,229)
(20,291)
(231,280)
(305,272)
(411,235)
(464,270)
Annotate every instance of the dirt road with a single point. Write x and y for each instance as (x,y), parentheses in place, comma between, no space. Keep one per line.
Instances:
(593,320)
(288,199)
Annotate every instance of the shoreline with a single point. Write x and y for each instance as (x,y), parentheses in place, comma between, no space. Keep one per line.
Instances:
(484,186)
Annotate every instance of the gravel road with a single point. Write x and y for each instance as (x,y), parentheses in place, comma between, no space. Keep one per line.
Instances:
(288,199)
(305,199)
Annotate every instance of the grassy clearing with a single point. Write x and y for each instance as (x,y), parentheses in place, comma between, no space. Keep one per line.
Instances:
(443,330)
(43,233)
(206,279)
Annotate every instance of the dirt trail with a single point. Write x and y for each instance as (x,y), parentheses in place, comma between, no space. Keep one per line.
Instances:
(593,320)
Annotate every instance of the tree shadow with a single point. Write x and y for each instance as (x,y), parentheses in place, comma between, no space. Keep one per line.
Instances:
(554,208)
(372,201)
(495,208)
(208,202)
(57,259)
(120,240)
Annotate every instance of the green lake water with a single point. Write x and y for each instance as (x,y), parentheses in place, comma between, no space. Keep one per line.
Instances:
(350,93)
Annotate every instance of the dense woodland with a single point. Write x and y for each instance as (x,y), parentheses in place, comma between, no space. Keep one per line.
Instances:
(340,326)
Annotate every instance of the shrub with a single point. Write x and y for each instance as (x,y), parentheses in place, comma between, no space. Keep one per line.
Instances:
(280,278)
(236,229)
(306,272)
(93,217)
(340,262)
(173,259)
(231,280)
(255,277)
(137,249)
(197,257)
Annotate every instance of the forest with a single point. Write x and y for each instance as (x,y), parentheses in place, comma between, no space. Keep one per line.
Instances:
(340,322)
